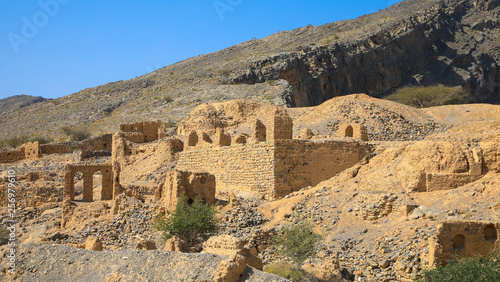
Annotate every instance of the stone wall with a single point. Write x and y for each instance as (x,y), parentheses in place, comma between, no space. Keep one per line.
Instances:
(142,132)
(48,149)
(12,156)
(457,239)
(88,172)
(437,182)
(195,186)
(355,130)
(246,167)
(271,169)
(301,163)
(32,150)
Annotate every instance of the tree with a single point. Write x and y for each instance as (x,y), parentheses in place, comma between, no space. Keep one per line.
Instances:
(299,241)
(192,223)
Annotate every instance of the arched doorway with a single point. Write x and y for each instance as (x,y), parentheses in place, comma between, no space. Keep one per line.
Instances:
(349,131)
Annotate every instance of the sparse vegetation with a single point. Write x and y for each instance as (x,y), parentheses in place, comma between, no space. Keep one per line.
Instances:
(193,223)
(168,98)
(298,241)
(423,97)
(15,142)
(76,134)
(169,124)
(42,140)
(476,269)
(223,72)
(286,270)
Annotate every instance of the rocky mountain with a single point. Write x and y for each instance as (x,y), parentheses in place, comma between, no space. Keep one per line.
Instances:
(17,102)
(414,42)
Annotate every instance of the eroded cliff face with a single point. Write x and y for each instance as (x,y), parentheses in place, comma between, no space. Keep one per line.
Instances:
(455,43)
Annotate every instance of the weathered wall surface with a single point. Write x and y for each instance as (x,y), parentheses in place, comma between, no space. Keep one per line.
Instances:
(12,156)
(437,182)
(272,169)
(195,186)
(300,163)
(145,131)
(463,239)
(48,149)
(241,166)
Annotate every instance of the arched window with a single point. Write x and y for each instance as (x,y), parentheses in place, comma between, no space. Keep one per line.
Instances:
(349,131)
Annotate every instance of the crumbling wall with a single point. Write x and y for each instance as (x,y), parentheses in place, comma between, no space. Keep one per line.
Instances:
(300,163)
(455,239)
(437,182)
(355,130)
(146,131)
(88,172)
(32,150)
(279,125)
(246,167)
(196,186)
(12,156)
(48,149)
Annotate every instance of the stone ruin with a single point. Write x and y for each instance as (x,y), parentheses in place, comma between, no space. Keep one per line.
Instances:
(269,163)
(463,239)
(110,181)
(356,131)
(196,186)
(143,132)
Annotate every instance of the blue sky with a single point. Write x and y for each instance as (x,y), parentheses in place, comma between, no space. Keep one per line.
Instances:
(53,48)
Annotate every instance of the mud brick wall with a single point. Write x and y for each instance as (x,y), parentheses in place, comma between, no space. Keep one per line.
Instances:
(300,163)
(12,156)
(48,149)
(247,167)
(457,239)
(437,182)
(32,150)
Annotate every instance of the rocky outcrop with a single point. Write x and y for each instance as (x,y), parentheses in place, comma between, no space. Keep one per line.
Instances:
(447,42)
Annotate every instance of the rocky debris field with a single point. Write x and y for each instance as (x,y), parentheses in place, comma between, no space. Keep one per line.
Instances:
(46,262)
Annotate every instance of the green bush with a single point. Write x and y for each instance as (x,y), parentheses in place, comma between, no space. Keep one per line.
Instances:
(286,270)
(476,269)
(75,134)
(192,222)
(42,140)
(4,235)
(15,142)
(431,96)
(298,241)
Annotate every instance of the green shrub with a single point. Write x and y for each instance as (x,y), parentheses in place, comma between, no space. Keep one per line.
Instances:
(169,124)
(4,235)
(286,270)
(192,222)
(42,140)
(15,142)
(431,96)
(75,134)
(298,241)
(168,98)
(476,269)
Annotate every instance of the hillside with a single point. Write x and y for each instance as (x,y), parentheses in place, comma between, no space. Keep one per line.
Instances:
(455,43)
(17,102)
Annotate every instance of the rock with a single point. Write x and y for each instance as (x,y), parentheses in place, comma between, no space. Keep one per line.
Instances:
(144,244)
(176,244)
(231,269)
(93,244)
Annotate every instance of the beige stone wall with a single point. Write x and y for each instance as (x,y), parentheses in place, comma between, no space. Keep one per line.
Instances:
(437,181)
(145,131)
(88,172)
(195,186)
(12,156)
(272,169)
(457,239)
(355,130)
(279,125)
(239,166)
(48,149)
(32,150)
(300,163)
